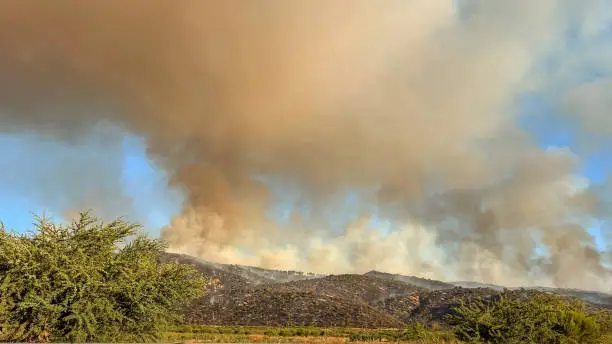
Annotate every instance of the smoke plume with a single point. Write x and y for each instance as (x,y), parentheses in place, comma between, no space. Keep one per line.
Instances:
(409,104)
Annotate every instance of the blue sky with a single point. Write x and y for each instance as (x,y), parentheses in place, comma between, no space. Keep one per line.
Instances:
(138,179)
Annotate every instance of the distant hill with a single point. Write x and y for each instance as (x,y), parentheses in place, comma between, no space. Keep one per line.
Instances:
(470,284)
(243,295)
(593,297)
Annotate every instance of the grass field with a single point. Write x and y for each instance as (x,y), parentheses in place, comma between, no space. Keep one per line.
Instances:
(260,334)
(256,334)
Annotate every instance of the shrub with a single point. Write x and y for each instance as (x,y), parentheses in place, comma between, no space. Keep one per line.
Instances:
(604,318)
(85,282)
(414,331)
(541,319)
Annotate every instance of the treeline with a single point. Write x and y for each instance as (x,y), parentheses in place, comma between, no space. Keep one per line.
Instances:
(89,281)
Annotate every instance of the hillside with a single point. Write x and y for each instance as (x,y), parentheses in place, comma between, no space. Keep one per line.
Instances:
(412,280)
(356,288)
(238,275)
(242,295)
(269,307)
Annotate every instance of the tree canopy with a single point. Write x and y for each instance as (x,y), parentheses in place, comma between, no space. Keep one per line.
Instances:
(89,281)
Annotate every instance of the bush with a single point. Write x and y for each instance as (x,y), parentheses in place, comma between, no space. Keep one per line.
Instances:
(414,331)
(541,319)
(85,282)
(604,318)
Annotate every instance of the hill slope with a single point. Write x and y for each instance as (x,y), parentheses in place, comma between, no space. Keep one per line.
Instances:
(241,295)
(269,307)
(416,281)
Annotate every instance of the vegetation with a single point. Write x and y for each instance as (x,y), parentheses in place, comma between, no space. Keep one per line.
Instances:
(86,281)
(416,333)
(541,318)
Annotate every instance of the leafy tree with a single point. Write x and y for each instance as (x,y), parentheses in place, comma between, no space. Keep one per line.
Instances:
(542,318)
(87,281)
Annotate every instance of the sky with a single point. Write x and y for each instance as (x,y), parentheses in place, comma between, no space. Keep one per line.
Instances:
(153,203)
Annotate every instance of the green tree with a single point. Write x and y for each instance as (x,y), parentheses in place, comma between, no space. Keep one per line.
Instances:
(87,281)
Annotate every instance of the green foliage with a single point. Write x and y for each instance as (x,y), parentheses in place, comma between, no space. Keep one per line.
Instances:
(543,319)
(85,282)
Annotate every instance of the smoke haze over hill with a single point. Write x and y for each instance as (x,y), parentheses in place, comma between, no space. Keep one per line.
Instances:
(412,105)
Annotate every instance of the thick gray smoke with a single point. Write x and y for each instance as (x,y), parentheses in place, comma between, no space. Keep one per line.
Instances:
(409,98)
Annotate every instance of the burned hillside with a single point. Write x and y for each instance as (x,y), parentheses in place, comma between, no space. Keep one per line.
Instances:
(269,307)
(417,281)
(241,295)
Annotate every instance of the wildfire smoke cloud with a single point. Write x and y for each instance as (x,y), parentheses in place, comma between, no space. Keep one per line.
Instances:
(411,99)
